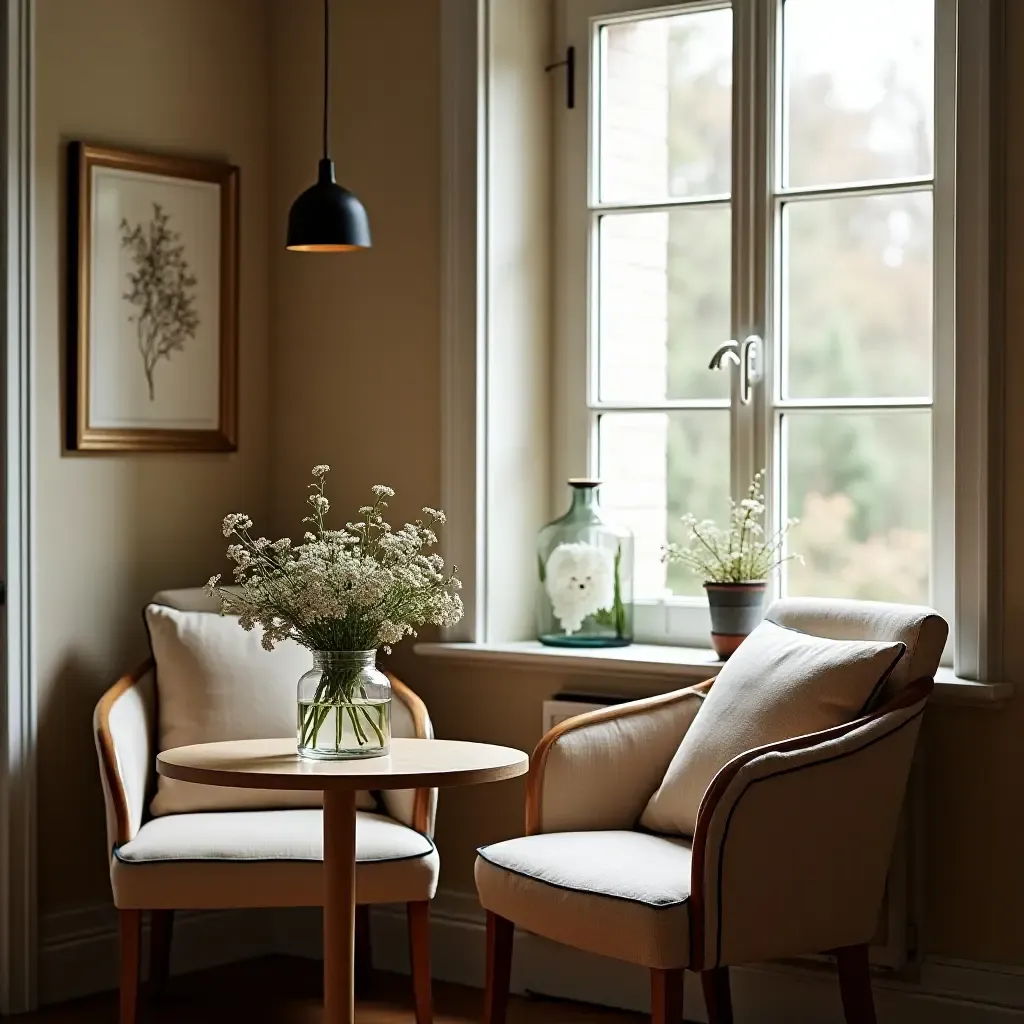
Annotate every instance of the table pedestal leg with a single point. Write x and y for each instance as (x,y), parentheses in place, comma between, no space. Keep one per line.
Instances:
(339,905)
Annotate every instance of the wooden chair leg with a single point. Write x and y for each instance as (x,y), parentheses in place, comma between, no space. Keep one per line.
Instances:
(161,933)
(666,997)
(364,951)
(130,926)
(419,957)
(500,939)
(717,995)
(855,984)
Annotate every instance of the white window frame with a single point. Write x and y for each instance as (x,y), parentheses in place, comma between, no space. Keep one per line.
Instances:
(757,200)
(468,288)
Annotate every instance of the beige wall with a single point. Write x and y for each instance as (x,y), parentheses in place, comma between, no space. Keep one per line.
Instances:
(356,358)
(180,76)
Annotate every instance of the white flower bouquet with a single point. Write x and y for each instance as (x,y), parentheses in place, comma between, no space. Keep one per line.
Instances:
(350,590)
(740,552)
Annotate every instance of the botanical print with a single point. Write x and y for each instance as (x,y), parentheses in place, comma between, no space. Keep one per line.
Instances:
(162,290)
(153,358)
(155,316)
(580,580)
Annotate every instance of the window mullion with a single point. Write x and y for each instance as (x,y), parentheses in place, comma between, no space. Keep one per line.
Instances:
(753,121)
(743,225)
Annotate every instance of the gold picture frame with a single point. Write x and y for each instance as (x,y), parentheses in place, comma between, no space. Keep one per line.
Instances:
(152,362)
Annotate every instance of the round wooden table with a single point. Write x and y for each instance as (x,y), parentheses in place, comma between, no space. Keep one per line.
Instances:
(274,764)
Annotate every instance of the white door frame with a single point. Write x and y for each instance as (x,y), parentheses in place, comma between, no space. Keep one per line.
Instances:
(18,913)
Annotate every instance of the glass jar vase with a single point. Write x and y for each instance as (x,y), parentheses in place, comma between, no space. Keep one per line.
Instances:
(344,707)
(585,568)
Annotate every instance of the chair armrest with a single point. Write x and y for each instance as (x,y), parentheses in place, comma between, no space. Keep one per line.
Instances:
(598,770)
(416,808)
(794,839)
(123,727)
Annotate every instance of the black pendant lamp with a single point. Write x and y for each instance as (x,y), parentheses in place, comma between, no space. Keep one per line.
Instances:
(327,217)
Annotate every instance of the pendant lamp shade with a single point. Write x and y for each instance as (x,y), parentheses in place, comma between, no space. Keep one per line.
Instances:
(327,217)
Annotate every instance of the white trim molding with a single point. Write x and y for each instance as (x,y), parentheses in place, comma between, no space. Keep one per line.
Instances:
(979,342)
(662,666)
(17,707)
(940,991)
(79,957)
(495,302)
(463,300)
(79,948)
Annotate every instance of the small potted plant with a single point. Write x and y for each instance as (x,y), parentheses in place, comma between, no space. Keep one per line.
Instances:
(734,562)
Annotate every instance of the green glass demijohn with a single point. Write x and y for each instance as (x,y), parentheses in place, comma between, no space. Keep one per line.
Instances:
(585,576)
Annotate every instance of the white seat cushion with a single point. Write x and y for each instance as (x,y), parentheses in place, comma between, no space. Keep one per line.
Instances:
(779,684)
(619,894)
(265,859)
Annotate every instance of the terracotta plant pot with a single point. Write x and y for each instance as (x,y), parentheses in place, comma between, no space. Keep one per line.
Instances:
(736,610)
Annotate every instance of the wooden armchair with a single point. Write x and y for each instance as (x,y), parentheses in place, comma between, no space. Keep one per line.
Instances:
(790,852)
(251,857)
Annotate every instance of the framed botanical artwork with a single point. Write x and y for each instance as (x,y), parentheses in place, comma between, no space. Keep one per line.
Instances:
(153,311)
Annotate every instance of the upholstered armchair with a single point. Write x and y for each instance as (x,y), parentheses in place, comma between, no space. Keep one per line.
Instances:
(217,859)
(789,853)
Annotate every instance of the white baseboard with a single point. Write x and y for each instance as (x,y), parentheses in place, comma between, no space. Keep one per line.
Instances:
(79,948)
(1002,984)
(947,992)
(79,957)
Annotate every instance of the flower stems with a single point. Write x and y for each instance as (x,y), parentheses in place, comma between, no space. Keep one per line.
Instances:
(354,714)
(367,721)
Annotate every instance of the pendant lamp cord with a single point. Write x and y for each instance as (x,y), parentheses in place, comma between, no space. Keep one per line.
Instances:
(327,66)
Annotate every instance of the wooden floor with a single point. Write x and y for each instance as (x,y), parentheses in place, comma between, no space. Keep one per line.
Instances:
(280,990)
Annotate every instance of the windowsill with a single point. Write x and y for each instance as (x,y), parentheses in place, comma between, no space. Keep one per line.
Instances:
(676,664)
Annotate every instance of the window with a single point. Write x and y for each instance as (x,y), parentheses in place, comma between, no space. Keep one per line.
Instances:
(767,180)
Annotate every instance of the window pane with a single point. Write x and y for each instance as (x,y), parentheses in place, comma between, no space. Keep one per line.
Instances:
(666,107)
(860,483)
(663,303)
(859,90)
(656,467)
(857,297)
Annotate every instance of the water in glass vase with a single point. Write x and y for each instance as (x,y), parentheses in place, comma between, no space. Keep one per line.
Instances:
(344,707)
(333,731)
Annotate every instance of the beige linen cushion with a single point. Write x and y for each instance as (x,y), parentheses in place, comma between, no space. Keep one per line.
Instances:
(922,629)
(779,684)
(215,682)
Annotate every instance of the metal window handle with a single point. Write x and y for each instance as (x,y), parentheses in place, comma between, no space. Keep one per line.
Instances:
(750,366)
(747,356)
(723,353)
